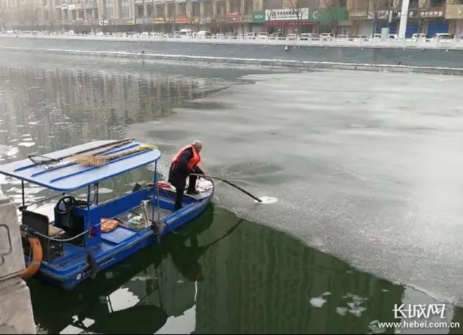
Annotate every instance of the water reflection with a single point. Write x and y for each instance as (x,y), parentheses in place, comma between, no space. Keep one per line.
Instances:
(136,297)
(222,275)
(43,110)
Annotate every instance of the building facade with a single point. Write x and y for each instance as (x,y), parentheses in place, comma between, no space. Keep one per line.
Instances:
(454,13)
(224,16)
(141,15)
(346,17)
(424,16)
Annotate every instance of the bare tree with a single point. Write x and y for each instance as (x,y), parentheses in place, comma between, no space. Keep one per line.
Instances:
(51,24)
(26,16)
(192,17)
(378,6)
(331,12)
(214,23)
(5,16)
(297,7)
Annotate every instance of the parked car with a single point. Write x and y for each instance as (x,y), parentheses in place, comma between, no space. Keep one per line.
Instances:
(308,36)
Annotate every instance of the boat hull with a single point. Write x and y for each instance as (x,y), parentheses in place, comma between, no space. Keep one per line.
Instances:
(69,279)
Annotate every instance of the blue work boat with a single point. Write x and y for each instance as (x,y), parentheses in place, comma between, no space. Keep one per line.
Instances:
(85,237)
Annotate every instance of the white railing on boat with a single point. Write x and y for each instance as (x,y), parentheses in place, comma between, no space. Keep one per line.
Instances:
(446,44)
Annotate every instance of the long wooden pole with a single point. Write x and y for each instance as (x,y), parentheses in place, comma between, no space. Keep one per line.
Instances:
(231,184)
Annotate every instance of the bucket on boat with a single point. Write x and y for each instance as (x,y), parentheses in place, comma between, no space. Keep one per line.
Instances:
(136,220)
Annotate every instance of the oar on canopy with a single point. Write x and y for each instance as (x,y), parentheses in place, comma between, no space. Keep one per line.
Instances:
(48,161)
(91,160)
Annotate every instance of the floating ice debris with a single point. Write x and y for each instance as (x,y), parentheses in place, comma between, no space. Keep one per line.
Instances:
(8,151)
(26,144)
(358,300)
(143,278)
(151,167)
(357,310)
(342,310)
(326,293)
(384,290)
(180,281)
(104,190)
(26,135)
(317,302)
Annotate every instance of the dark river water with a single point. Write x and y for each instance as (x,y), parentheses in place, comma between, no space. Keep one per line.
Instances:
(392,56)
(222,274)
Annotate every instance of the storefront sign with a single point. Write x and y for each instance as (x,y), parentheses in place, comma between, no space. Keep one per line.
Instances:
(233,17)
(288,23)
(380,15)
(258,17)
(182,20)
(328,15)
(287,14)
(71,7)
(411,14)
(436,12)
(159,20)
(205,20)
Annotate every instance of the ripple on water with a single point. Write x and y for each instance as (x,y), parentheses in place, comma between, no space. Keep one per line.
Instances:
(267,200)
(104,190)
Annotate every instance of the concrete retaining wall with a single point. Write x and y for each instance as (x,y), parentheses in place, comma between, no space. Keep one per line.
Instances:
(455,44)
(16,315)
(251,61)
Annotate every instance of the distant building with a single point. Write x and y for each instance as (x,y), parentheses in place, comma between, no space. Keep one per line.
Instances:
(217,16)
(428,17)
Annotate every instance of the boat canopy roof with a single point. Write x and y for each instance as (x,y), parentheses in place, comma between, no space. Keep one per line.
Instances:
(69,176)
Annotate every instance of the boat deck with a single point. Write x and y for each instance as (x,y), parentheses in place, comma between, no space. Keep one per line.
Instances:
(129,231)
(125,219)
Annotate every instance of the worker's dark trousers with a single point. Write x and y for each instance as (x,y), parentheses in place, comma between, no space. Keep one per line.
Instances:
(179,182)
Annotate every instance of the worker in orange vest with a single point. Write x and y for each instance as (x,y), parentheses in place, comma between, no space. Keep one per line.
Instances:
(184,163)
